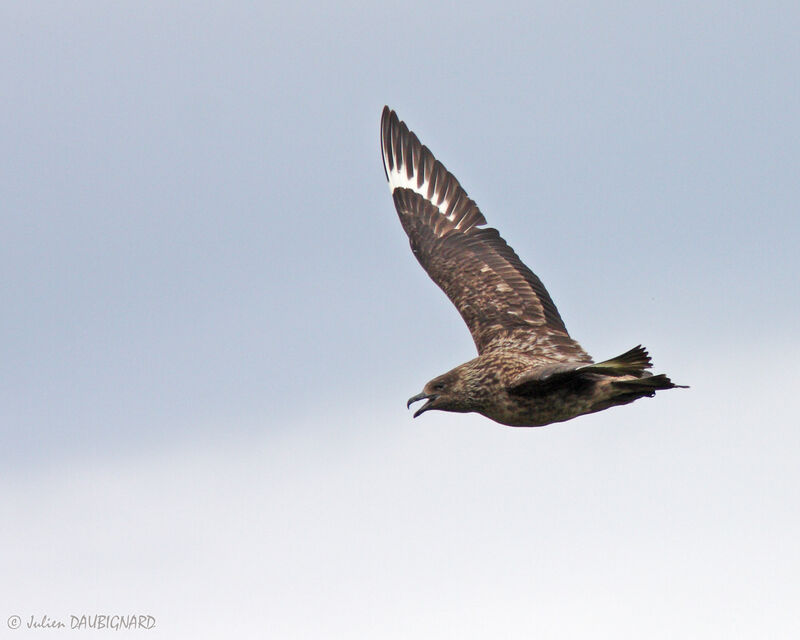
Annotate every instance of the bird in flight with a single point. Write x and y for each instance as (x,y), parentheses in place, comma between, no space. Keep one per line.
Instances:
(529,371)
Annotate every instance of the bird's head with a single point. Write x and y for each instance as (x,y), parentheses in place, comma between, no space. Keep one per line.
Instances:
(450,391)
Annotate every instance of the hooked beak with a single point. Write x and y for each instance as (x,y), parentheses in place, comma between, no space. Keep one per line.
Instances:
(421,396)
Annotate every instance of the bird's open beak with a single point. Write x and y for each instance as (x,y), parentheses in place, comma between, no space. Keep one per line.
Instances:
(421,396)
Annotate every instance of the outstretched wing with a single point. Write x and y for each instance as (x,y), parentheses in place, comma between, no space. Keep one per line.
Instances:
(502,301)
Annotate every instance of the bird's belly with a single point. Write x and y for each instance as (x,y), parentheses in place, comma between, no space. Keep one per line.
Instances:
(522,411)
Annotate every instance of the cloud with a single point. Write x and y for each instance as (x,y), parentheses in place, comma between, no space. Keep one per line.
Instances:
(668,515)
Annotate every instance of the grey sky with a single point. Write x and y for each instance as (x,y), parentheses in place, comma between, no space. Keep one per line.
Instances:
(211,318)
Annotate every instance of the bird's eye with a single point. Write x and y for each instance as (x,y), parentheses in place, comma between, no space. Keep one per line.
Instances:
(439,386)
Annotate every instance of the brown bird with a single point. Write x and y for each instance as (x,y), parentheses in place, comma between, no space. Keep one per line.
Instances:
(529,372)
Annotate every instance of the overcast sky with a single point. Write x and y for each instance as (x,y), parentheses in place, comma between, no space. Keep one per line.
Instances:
(211,319)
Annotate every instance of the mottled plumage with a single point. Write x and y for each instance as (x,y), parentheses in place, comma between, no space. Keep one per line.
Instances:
(529,371)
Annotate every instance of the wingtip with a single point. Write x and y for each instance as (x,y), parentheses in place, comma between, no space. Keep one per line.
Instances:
(386,117)
(410,165)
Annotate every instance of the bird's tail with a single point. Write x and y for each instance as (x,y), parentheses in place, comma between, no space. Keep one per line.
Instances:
(626,391)
(647,386)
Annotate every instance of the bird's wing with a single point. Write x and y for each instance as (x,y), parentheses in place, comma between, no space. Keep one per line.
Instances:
(502,301)
(538,380)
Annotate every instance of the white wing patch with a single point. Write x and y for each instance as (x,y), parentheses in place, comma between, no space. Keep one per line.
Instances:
(410,165)
(419,183)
